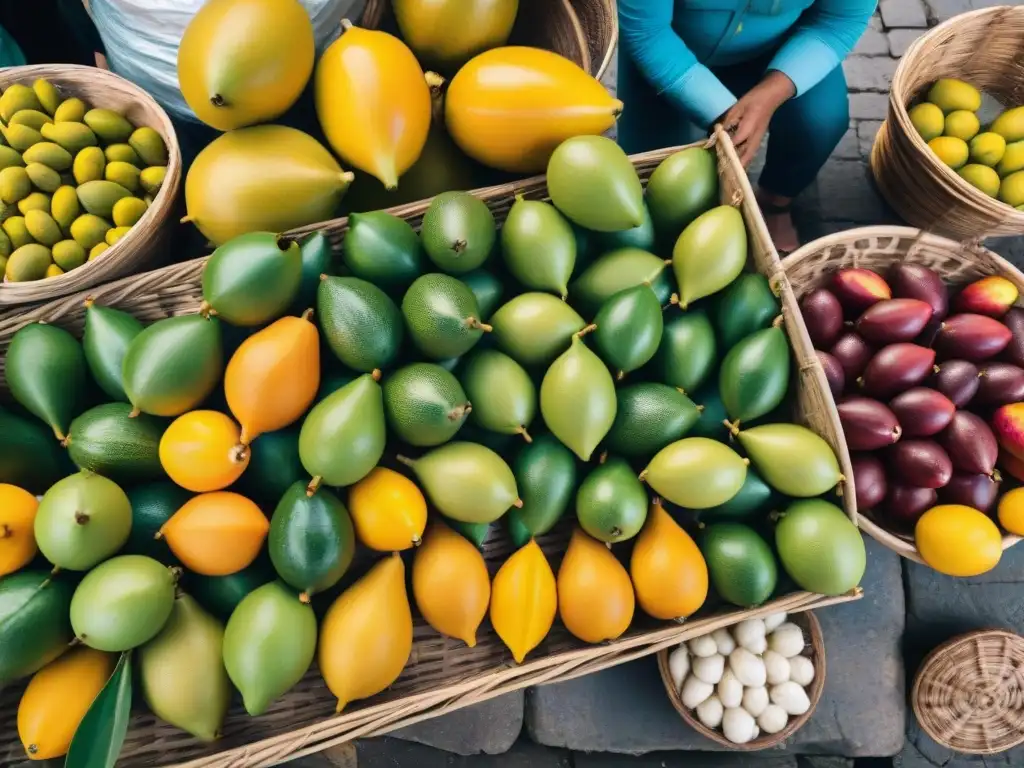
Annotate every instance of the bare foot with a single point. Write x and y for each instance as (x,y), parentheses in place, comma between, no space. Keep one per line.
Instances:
(783,231)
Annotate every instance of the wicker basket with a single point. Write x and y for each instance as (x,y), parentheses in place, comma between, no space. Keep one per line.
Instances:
(879,248)
(814,650)
(969,695)
(983,48)
(584,31)
(442,675)
(101,88)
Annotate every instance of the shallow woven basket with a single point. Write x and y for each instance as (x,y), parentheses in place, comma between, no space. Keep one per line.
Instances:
(879,248)
(814,649)
(584,31)
(969,693)
(442,675)
(982,48)
(135,251)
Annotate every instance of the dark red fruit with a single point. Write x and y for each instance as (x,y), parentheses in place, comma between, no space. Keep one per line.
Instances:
(958,380)
(904,504)
(978,491)
(1011,465)
(868,480)
(913,281)
(972,337)
(853,353)
(999,384)
(896,368)
(834,373)
(857,289)
(867,424)
(970,444)
(823,315)
(888,322)
(922,412)
(921,463)
(1014,320)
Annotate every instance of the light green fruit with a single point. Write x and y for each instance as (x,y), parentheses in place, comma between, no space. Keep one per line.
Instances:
(1011,191)
(47,94)
(820,548)
(73,137)
(89,230)
(987,148)
(33,118)
(16,98)
(149,145)
(89,164)
(6,248)
(951,95)
(792,459)
(21,137)
(1010,124)
(115,233)
(962,124)
(68,255)
(37,201)
(928,120)
(125,174)
(43,177)
(70,110)
(981,177)
(28,263)
(111,127)
(1012,160)
(122,153)
(15,184)
(64,207)
(152,178)
(710,253)
(950,150)
(9,157)
(98,197)
(97,250)
(16,230)
(128,210)
(43,228)
(696,473)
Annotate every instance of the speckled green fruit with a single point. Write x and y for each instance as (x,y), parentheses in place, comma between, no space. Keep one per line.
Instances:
(425,404)
(532,228)
(487,288)
(535,328)
(545,472)
(503,395)
(442,316)
(46,374)
(34,627)
(648,417)
(611,504)
(361,324)
(458,232)
(108,440)
(696,473)
(252,278)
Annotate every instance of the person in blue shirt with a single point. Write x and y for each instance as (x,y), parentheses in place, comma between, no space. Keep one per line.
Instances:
(755,66)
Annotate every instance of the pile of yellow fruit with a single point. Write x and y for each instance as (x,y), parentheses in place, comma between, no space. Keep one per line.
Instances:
(992,159)
(73,180)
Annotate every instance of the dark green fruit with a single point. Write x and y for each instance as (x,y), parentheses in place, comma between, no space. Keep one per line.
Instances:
(458,232)
(754,376)
(712,416)
(617,271)
(487,289)
(682,187)
(741,565)
(629,329)
(752,501)
(111,442)
(443,316)
(153,504)
(747,305)
(29,456)
(477,533)
(503,395)
(545,473)
(687,353)
(533,228)
(535,328)
(253,278)
(425,404)
(611,504)
(273,466)
(221,594)
(641,237)
(649,417)
(316,261)
(34,626)
(361,324)
(383,249)
(331,380)
(108,333)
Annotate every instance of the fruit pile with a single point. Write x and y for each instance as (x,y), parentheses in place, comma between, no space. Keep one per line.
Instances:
(928,391)
(994,160)
(451,370)
(73,180)
(747,679)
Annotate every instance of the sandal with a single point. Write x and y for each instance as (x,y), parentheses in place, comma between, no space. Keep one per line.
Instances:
(771,209)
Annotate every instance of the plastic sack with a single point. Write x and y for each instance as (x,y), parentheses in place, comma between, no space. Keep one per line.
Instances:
(141,39)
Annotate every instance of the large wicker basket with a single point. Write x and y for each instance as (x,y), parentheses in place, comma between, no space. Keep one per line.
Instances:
(879,248)
(442,675)
(982,48)
(135,251)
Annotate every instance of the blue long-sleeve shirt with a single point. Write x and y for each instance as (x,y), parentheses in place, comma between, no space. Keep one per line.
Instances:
(675,42)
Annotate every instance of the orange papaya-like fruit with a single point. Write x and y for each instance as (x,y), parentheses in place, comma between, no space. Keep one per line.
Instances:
(668,570)
(216,534)
(202,451)
(17,534)
(595,595)
(524,600)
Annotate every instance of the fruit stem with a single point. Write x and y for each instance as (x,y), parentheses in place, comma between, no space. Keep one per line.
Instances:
(472,322)
(348,177)
(159,534)
(642,477)
(89,301)
(777,322)
(218,101)
(284,242)
(65,442)
(346,25)
(526,435)
(732,426)
(435,82)
(81,517)
(323,276)
(588,329)
(185,219)
(616,108)
(307,315)
(134,413)
(61,437)
(746,461)
(405,460)
(459,411)
(995,476)
(615,532)
(304,598)
(176,573)
(620,375)
(314,485)
(518,503)
(375,374)
(459,245)
(416,540)
(5,531)
(239,454)
(698,406)
(206,309)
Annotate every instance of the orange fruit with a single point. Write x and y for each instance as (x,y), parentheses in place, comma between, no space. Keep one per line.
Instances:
(668,570)
(216,534)
(595,595)
(958,541)
(202,451)
(388,510)
(17,537)
(524,600)
(1010,510)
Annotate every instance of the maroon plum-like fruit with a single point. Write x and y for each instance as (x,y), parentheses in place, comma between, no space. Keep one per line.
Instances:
(999,384)
(922,412)
(971,337)
(921,463)
(1014,320)
(904,504)
(970,444)
(958,380)
(867,424)
(868,480)
(888,322)
(896,368)
(853,353)
(914,281)
(978,491)
(834,373)
(858,288)
(823,316)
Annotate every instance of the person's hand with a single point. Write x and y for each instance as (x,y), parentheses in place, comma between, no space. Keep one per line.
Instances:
(747,120)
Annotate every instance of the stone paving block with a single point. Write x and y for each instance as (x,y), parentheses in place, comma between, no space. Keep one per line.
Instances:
(844,191)
(848,147)
(861,712)
(900,40)
(393,753)
(869,73)
(903,13)
(683,760)
(868,106)
(872,43)
(943,10)
(1010,248)
(867,130)
(491,727)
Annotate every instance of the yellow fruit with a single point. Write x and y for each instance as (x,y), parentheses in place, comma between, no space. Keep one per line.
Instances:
(1010,510)
(216,534)
(47,94)
(152,178)
(122,153)
(509,108)
(928,120)
(43,177)
(28,263)
(21,137)
(982,177)
(958,540)
(89,165)
(373,102)
(445,35)
(366,636)
(97,250)
(595,595)
(70,111)
(667,568)
(987,148)
(950,150)
(37,201)
(49,154)
(1011,191)
(149,146)
(14,184)
(245,62)
(951,95)
(98,197)
(68,255)
(16,98)
(201,451)
(88,230)
(108,125)
(524,600)
(1010,124)
(57,698)
(116,233)
(33,118)
(17,539)
(43,228)
(1012,160)
(388,510)
(53,271)
(128,210)
(125,174)
(451,584)
(272,378)
(962,124)
(15,229)
(73,137)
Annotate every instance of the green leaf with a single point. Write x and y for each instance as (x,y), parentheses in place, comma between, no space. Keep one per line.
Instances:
(100,735)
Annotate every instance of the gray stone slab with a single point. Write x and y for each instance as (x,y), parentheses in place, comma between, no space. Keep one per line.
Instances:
(869,73)
(844,191)
(867,130)
(393,753)
(868,106)
(1010,248)
(861,712)
(943,10)
(826,761)
(872,43)
(900,40)
(903,13)
(490,727)
(848,147)
(684,760)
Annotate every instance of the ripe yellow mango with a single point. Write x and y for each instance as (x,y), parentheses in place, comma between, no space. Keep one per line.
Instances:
(451,584)
(524,600)
(17,538)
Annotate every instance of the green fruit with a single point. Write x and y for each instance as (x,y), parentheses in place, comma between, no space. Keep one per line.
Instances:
(111,442)
(122,603)
(712,416)
(64,207)
(269,643)
(642,237)
(29,456)
(49,154)
(70,110)
(89,165)
(273,466)
(820,548)
(331,380)
(47,94)
(221,594)
(950,95)
(425,404)
(629,329)
(476,533)
(6,248)
(15,98)
(46,374)
(111,127)
(98,197)
(687,353)
(1010,124)
(592,181)
(27,263)
(43,228)
(710,253)
(149,145)
(617,271)
(611,504)
(72,137)
(16,231)
(122,153)
(315,250)
(383,249)
(89,230)
(545,472)
(458,232)
(361,324)
(128,210)
(253,278)
(535,328)
(153,504)
(173,365)
(36,201)
(466,482)
(108,334)
(442,316)
(43,177)
(792,459)
(15,184)
(1012,160)
(34,628)
(33,118)
(577,399)
(125,174)
(152,179)
(754,376)
(696,473)
(648,417)
(21,137)
(181,671)
(741,566)
(751,501)
(533,228)
(311,540)
(747,305)
(682,187)
(487,289)
(343,437)
(981,177)
(10,158)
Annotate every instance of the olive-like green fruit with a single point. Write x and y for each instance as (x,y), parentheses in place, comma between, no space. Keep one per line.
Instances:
(458,232)
(535,328)
(648,417)
(153,504)
(532,228)
(687,353)
(220,595)
(545,472)
(683,186)
(611,504)
(34,627)
(709,254)
(754,376)
(642,237)
(792,459)
(425,404)
(617,271)
(383,249)
(741,565)
(442,316)
(487,288)
(592,181)
(504,397)
(696,473)
(361,324)
(29,456)
(820,548)
(108,334)
(110,441)
(629,329)
(746,306)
